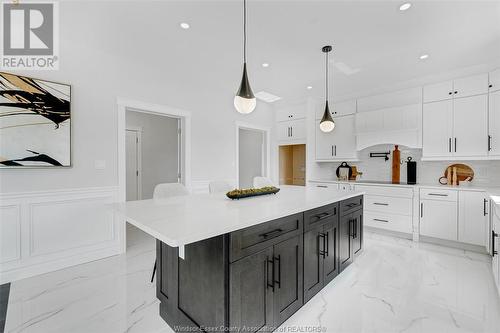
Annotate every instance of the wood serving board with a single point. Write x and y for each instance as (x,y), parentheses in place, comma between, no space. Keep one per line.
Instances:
(463,171)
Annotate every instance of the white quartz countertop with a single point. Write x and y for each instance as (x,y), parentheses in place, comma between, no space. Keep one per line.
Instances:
(182,220)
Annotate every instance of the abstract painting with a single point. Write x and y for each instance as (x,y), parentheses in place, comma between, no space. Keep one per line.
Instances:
(35,122)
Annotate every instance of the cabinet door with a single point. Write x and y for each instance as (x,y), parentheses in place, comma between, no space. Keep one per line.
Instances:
(324,145)
(313,262)
(470,85)
(344,138)
(283,130)
(357,233)
(331,258)
(494,80)
(345,244)
(494,123)
(470,126)
(438,219)
(437,129)
(298,129)
(438,91)
(473,218)
(251,296)
(288,274)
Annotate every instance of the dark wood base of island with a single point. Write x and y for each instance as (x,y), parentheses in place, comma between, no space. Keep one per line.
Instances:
(254,279)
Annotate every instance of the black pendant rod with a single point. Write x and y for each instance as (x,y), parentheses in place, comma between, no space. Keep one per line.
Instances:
(245,31)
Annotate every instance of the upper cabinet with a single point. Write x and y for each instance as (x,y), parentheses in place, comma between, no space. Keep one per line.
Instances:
(291,124)
(494,80)
(337,109)
(494,124)
(463,87)
(339,144)
(291,113)
(455,119)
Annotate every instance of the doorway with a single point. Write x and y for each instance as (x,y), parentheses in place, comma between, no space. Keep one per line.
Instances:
(152,153)
(292,165)
(252,154)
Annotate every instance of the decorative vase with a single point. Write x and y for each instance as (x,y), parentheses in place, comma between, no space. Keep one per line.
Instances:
(396,166)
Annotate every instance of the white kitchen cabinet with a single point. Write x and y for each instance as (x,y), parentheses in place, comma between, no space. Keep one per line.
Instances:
(494,238)
(470,126)
(437,129)
(293,131)
(339,144)
(337,109)
(438,219)
(438,91)
(456,128)
(494,79)
(470,85)
(494,124)
(291,113)
(473,218)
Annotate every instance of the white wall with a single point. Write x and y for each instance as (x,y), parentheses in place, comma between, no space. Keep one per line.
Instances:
(250,159)
(159,149)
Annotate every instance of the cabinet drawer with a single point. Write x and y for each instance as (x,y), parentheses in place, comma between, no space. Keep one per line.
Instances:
(438,194)
(391,222)
(252,239)
(388,205)
(324,185)
(320,215)
(386,191)
(350,205)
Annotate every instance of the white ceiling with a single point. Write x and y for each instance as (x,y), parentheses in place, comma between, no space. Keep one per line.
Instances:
(372,36)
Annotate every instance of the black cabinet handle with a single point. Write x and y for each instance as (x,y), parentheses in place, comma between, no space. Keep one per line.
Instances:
(380,220)
(291,131)
(484,207)
(332,150)
(455,145)
(456,92)
(449,145)
(493,235)
(323,186)
(380,204)
(489,142)
(450,93)
(278,260)
(335,150)
(327,243)
(421,209)
(321,246)
(355,224)
(270,233)
(438,194)
(269,285)
(323,216)
(490,86)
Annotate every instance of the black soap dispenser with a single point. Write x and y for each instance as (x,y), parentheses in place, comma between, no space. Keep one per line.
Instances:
(411,171)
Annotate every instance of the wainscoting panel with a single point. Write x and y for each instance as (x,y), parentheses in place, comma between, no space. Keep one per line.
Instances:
(45,231)
(10,232)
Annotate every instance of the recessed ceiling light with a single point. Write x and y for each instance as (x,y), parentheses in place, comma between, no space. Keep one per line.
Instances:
(265,64)
(309,87)
(405,6)
(424,56)
(184,25)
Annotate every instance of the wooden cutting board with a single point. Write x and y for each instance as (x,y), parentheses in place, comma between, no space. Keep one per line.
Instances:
(463,171)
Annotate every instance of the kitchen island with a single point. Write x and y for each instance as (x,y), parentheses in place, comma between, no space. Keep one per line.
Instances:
(247,264)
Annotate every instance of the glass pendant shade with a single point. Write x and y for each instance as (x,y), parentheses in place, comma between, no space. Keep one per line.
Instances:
(245,101)
(326,124)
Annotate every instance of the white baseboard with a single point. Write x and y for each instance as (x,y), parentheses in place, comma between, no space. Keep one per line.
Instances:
(50,230)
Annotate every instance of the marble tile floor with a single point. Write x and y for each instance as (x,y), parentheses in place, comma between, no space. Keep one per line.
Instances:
(394,286)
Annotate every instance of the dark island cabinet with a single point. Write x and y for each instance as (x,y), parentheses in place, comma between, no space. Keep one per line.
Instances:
(321,251)
(254,279)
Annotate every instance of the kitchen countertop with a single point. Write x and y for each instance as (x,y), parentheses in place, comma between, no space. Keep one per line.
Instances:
(469,187)
(182,220)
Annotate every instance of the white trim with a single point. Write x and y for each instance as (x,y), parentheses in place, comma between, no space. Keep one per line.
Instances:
(267,133)
(138,133)
(124,104)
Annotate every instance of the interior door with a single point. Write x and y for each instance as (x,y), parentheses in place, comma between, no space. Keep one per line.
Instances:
(132,165)
(251,296)
(331,259)
(494,122)
(345,244)
(289,292)
(438,219)
(470,126)
(313,262)
(437,129)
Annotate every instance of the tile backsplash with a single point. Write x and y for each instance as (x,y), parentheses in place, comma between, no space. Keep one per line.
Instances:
(485,172)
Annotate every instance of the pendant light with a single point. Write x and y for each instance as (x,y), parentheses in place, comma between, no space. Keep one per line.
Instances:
(326,124)
(245,101)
